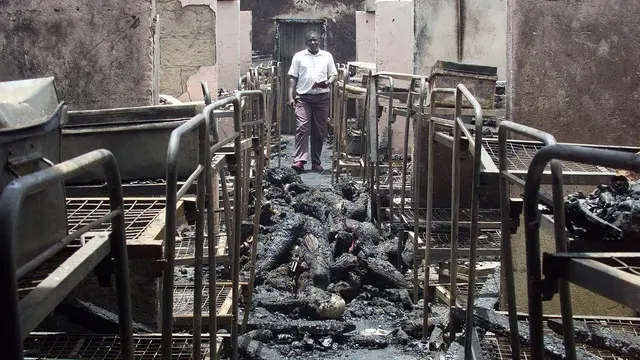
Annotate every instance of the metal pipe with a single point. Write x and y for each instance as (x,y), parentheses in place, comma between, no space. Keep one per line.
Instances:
(211,244)
(61,244)
(390,157)
(224,142)
(170,218)
(455,220)
(235,265)
(429,215)
(187,184)
(475,206)
(397,75)
(256,222)
(559,227)
(405,149)
(203,161)
(591,156)
(11,203)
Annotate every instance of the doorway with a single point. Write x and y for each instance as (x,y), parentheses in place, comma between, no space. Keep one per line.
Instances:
(290,35)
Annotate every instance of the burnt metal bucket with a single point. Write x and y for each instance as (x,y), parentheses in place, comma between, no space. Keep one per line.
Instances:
(30,121)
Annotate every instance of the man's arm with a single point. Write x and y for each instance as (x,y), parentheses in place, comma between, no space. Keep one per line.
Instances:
(293,81)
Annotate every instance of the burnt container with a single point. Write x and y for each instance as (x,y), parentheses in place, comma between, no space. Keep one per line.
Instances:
(30,135)
(480,80)
(137,136)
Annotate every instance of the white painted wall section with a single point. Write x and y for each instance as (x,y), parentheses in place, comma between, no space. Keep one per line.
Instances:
(246,27)
(365,36)
(228,43)
(394,35)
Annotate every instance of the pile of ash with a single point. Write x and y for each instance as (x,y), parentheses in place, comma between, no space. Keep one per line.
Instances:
(322,267)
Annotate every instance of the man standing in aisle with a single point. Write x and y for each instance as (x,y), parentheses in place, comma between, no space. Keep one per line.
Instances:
(310,77)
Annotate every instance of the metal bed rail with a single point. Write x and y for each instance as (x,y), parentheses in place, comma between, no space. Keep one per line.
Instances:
(218,166)
(475,147)
(619,283)
(259,155)
(20,317)
(202,174)
(505,179)
(374,162)
(268,82)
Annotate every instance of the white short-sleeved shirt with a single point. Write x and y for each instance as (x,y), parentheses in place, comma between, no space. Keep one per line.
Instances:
(310,68)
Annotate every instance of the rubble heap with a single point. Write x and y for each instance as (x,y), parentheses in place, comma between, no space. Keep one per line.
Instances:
(610,212)
(321,268)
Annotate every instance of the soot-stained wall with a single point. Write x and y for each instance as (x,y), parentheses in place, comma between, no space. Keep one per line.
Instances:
(341,35)
(574,69)
(100,53)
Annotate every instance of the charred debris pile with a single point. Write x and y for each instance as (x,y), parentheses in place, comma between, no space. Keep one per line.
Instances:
(324,275)
(610,212)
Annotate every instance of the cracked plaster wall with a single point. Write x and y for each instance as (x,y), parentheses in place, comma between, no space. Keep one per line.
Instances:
(341,37)
(100,54)
(187,47)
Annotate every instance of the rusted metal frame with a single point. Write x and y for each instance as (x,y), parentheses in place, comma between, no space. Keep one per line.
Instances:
(259,154)
(226,202)
(429,220)
(416,205)
(267,72)
(201,123)
(211,225)
(580,154)
(277,108)
(504,129)
(390,119)
(235,264)
(390,76)
(233,230)
(343,117)
(209,113)
(372,126)
(11,201)
(461,92)
(173,196)
(405,150)
(339,117)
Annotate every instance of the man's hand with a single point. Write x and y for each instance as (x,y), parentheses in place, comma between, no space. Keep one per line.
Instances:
(292,103)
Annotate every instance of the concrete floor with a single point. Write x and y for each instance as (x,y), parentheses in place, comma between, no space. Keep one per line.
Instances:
(309,177)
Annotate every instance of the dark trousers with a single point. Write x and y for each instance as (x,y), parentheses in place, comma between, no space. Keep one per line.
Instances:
(312,112)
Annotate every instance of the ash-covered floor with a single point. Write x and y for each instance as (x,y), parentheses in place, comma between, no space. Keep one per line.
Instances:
(326,287)
(309,177)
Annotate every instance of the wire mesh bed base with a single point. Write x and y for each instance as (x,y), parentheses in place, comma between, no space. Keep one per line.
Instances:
(107,347)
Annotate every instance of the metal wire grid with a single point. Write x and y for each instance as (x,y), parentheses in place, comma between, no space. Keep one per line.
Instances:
(484,215)
(520,154)
(186,246)
(488,239)
(138,214)
(183,298)
(34,278)
(499,348)
(106,347)
(463,290)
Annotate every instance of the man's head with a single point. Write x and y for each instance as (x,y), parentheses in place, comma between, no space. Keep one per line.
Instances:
(312,39)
